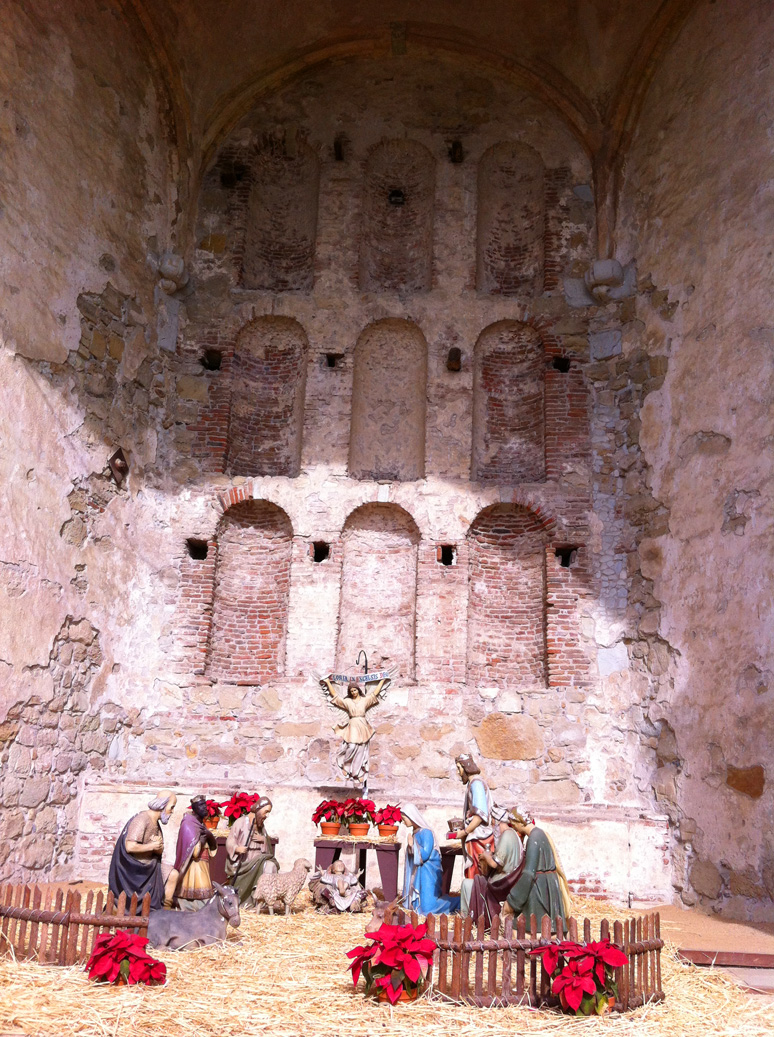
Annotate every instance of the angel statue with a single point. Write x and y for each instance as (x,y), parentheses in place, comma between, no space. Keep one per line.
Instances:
(364,691)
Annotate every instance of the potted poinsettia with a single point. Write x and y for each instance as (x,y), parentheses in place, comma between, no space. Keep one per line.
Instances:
(387,820)
(358,815)
(212,820)
(328,816)
(582,974)
(121,958)
(396,963)
(239,804)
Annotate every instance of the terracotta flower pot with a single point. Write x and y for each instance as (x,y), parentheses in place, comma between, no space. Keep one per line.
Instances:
(211,822)
(386,831)
(330,827)
(405,995)
(359,828)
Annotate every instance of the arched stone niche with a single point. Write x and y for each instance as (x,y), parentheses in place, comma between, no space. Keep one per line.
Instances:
(379,588)
(387,437)
(281,226)
(396,251)
(506,599)
(511,221)
(267,398)
(508,405)
(250,604)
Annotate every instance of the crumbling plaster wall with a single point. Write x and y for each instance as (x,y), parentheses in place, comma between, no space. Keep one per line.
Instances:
(85,196)
(697,214)
(572,749)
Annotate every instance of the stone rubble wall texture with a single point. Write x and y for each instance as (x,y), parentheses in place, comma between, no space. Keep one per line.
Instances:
(635,457)
(697,211)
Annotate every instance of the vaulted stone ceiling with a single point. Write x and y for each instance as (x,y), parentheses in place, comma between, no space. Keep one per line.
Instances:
(590,59)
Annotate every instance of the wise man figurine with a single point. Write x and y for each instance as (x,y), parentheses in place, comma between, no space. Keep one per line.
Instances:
(476,833)
(135,866)
(188,885)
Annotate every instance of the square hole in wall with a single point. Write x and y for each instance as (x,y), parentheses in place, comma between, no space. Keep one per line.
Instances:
(333,359)
(211,359)
(447,554)
(197,549)
(319,551)
(561,363)
(567,554)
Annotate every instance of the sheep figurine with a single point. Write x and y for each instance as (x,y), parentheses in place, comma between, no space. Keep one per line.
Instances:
(280,887)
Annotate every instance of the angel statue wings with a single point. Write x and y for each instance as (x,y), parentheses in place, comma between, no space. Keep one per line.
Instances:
(364,691)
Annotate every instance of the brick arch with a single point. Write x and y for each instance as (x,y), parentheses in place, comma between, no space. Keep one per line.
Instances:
(281,225)
(509,434)
(396,249)
(387,436)
(507,598)
(250,601)
(510,253)
(268,382)
(378,588)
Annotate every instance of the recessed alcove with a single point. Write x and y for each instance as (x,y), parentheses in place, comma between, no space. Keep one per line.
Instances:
(396,247)
(508,405)
(511,220)
(281,227)
(387,437)
(506,598)
(267,398)
(378,588)
(252,584)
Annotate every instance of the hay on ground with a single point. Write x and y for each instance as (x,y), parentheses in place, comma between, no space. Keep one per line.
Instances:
(288,976)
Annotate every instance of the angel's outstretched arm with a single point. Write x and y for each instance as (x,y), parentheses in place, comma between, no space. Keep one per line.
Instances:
(374,697)
(332,694)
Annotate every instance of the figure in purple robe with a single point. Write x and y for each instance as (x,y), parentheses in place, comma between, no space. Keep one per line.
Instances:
(189,885)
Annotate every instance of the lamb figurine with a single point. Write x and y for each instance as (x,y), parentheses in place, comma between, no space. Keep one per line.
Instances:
(280,887)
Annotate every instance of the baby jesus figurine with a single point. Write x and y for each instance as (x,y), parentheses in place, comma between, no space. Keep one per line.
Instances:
(356,732)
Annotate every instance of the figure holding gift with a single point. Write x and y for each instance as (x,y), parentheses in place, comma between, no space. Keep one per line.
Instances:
(476,833)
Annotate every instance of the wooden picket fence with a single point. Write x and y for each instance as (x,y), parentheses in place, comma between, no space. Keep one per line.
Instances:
(50,927)
(497,969)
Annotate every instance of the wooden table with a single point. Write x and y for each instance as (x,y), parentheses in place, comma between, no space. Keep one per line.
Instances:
(449,853)
(387,854)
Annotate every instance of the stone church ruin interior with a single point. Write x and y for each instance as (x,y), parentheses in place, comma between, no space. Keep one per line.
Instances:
(435,331)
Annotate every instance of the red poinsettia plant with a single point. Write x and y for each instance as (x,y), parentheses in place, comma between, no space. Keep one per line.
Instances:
(359,811)
(582,974)
(388,816)
(121,957)
(239,804)
(329,810)
(397,960)
(213,808)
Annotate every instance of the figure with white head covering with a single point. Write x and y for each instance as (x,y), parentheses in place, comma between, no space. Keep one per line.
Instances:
(423,874)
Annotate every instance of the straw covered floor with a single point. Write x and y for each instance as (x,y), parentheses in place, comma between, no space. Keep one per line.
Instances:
(288,976)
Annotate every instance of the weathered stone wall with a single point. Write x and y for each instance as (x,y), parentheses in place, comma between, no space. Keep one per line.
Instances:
(150,563)
(86,197)
(696,215)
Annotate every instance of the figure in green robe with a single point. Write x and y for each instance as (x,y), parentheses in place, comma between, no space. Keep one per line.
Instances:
(249,850)
(541,889)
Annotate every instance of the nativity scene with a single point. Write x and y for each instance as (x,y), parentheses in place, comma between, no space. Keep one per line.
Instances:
(386,465)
